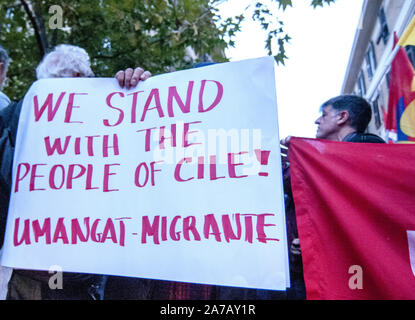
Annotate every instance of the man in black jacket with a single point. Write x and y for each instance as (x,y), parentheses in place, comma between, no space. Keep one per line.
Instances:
(344,118)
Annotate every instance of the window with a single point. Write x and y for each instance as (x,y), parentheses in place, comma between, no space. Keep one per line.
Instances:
(384,29)
(361,86)
(371,61)
(376,114)
(388,79)
(410,50)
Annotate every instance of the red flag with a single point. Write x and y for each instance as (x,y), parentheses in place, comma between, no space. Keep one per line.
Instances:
(401,124)
(355,208)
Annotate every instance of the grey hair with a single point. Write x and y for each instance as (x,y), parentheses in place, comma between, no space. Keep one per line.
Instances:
(63,62)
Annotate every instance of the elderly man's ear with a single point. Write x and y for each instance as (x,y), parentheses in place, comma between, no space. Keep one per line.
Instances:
(343,117)
(129,78)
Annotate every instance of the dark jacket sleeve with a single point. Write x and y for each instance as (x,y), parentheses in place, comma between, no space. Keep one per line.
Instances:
(9,120)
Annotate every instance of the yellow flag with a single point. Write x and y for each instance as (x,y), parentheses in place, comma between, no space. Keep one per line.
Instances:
(408,38)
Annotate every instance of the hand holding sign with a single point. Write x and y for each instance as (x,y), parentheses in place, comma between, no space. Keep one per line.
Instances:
(130,78)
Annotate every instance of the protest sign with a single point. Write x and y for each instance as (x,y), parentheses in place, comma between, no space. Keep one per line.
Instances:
(176,179)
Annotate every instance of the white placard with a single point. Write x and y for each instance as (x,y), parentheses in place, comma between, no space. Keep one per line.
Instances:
(177,179)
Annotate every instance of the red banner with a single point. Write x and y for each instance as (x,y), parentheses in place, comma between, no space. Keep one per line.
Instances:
(355,207)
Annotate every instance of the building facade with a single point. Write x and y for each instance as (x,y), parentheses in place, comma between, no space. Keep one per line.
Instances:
(367,73)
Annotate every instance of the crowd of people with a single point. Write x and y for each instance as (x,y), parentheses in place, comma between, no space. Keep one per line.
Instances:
(344,118)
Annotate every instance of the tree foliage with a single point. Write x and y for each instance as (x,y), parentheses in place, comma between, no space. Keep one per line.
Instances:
(119,34)
(274,26)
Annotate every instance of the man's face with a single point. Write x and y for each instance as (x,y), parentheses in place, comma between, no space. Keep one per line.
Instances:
(327,124)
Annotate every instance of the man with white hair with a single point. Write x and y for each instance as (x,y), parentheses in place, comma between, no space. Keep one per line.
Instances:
(65,61)
(68,61)
(4,64)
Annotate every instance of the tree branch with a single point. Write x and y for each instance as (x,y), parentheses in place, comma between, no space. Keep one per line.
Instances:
(37,27)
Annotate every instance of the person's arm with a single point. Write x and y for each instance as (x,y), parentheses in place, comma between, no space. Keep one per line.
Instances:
(130,77)
(284,145)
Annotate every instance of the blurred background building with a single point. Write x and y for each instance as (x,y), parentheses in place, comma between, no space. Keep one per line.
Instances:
(372,47)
